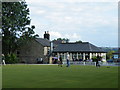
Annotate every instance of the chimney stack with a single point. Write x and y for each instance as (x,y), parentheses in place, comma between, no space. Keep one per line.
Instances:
(47,35)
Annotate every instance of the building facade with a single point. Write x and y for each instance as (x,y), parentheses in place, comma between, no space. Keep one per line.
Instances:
(43,49)
(116,55)
(78,51)
(34,51)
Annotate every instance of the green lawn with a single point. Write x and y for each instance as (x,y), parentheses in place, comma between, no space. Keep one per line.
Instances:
(52,76)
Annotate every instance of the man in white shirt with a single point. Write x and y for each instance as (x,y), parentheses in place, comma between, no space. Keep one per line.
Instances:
(68,57)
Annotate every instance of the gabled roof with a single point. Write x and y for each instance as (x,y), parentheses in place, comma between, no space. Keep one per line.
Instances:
(43,41)
(77,47)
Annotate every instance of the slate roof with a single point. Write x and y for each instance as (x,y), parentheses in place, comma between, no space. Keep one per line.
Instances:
(43,41)
(77,47)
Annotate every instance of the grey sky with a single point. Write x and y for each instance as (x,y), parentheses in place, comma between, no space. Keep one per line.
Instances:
(95,22)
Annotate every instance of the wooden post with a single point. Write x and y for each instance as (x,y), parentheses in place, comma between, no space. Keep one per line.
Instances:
(58,55)
(90,55)
(83,56)
(77,55)
(50,60)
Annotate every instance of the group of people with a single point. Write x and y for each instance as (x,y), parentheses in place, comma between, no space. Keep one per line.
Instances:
(98,60)
(67,59)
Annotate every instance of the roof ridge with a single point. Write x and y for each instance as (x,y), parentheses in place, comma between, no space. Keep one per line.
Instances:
(100,49)
(43,41)
(90,47)
(76,43)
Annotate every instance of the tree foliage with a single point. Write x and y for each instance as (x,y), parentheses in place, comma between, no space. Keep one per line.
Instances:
(16,27)
(62,39)
(79,41)
(11,59)
(110,54)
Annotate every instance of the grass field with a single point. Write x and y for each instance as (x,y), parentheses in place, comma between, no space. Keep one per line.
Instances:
(52,76)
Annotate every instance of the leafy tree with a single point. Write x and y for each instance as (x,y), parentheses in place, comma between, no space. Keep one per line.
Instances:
(16,29)
(94,58)
(79,41)
(11,59)
(110,54)
(0,16)
(62,39)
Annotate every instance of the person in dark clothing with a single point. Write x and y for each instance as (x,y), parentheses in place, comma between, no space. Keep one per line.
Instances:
(68,63)
(97,61)
(60,61)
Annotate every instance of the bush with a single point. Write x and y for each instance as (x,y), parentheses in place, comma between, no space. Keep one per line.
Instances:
(94,59)
(11,59)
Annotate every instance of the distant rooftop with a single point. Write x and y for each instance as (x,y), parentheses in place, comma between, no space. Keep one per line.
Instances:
(77,47)
(44,42)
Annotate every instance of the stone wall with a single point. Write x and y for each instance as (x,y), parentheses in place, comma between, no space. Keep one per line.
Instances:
(29,52)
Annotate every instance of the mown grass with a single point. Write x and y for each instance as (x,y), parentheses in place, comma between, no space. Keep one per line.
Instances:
(52,76)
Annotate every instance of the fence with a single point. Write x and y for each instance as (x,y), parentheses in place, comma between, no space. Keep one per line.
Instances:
(93,63)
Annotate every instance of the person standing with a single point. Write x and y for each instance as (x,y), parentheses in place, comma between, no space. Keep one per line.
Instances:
(68,62)
(97,61)
(60,61)
(41,59)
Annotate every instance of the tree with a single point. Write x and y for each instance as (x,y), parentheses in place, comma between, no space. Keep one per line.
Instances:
(16,28)
(94,58)
(79,41)
(0,17)
(62,39)
(110,54)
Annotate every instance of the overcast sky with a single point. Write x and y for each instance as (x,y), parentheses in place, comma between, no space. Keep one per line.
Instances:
(94,22)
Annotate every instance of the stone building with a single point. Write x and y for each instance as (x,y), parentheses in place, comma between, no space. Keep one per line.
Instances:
(35,50)
(77,51)
(43,49)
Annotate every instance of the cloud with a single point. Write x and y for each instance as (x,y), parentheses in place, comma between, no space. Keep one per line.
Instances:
(55,34)
(70,1)
(41,12)
(75,19)
(72,37)
(80,14)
